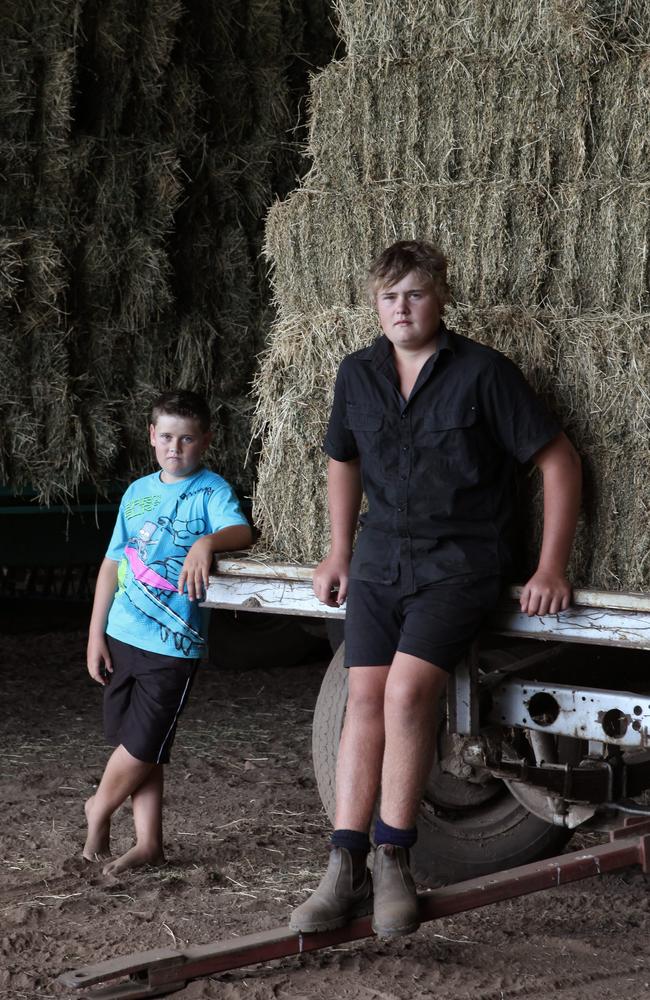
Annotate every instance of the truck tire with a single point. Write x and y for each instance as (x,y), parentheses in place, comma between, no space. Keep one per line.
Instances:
(488,833)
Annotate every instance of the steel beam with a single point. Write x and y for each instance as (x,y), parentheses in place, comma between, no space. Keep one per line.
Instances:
(621,718)
(621,620)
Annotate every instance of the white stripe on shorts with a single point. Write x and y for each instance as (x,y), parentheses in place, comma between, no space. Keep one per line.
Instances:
(174,720)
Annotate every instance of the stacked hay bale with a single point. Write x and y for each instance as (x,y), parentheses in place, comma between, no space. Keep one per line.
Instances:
(142,144)
(516,136)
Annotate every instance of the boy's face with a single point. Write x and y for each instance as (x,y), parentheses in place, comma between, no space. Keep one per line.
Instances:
(409,312)
(179,444)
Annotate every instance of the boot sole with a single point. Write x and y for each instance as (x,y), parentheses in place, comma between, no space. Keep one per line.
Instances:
(362,910)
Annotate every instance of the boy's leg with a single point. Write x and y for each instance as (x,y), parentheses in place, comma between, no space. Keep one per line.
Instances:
(346,890)
(411,700)
(142,704)
(122,776)
(412,694)
(372,629)
(359,760)
(147,817)
(98,836)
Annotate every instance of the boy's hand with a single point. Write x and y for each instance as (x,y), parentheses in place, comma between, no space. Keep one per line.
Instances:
(98,660)
(330,583)
(545,594)
(196,569)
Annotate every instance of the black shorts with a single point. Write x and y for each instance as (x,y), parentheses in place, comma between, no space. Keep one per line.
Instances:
(437,623)
(143,699)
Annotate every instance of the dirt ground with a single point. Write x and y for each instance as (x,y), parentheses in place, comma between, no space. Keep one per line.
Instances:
(245,837)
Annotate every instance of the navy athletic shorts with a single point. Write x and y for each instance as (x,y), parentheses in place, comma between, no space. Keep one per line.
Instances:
(437,623)
(143,699)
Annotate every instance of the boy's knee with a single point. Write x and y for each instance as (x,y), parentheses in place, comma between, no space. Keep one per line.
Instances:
(411,695)
(365,702)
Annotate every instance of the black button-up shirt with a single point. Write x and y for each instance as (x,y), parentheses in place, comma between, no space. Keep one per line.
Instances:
(438,468)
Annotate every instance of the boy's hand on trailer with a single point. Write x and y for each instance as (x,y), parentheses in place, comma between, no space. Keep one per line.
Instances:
(330,583)
(545,594)
(98,660)
(195,573)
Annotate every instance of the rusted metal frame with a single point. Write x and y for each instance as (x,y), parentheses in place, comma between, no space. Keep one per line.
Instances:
(277,589)
(621,718)
(164,971)
(595,783)
(250,567)
(584,625)
(462,689)
(462,700)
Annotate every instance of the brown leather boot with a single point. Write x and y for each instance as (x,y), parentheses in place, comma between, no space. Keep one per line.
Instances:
(345,891)
(396,903)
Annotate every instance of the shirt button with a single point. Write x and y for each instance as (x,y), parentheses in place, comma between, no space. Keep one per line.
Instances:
(400,509)
(403,416)
(402,476)
(405,447)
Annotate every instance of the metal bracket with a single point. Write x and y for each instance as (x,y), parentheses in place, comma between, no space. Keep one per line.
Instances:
(593,782)
(620,718)
(462,696)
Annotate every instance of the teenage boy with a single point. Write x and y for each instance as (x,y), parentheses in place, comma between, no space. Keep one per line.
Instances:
(429,425)
(145,638)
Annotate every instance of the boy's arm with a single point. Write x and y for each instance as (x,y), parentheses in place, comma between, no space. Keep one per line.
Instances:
(195,573)
(98,658)
(344,492)
(548,591)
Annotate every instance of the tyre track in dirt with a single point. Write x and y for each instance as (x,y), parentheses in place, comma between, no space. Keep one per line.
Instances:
(574,987)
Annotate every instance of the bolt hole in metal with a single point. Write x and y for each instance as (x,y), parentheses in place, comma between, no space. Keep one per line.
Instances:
(615,723)
(543,708)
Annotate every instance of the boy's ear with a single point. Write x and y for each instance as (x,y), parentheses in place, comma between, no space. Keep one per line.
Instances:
(152,435)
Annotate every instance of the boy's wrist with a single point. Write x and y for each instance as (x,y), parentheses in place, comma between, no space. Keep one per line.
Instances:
(340,551)
(208,543)
(551,569)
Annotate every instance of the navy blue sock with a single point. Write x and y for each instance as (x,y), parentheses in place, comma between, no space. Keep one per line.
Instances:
(353,840)
(385,834)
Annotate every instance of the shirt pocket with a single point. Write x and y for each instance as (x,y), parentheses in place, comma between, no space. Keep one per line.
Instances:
(454,419)
(377,453)
(455,445)
(363,420)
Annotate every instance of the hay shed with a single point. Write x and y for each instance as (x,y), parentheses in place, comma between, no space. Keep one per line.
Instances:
(142,143)
(515,135)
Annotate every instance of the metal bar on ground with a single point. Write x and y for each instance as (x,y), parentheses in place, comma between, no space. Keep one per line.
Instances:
(164,971)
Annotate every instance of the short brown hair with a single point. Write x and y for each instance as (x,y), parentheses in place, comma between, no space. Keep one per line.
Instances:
(399,259)
(182,403)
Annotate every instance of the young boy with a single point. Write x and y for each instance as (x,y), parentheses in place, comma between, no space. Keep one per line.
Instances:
(429,424)
(145,636)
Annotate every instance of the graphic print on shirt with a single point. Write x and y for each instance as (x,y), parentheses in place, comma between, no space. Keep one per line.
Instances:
(152,584)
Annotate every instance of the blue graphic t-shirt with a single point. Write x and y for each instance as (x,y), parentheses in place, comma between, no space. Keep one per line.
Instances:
(156,526)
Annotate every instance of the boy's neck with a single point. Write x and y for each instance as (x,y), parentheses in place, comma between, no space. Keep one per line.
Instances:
(169,480)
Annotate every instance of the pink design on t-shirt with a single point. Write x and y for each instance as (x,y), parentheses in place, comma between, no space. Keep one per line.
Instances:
(144,573)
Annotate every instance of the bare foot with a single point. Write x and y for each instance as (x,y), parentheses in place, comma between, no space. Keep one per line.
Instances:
(97,846)
(135,858)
